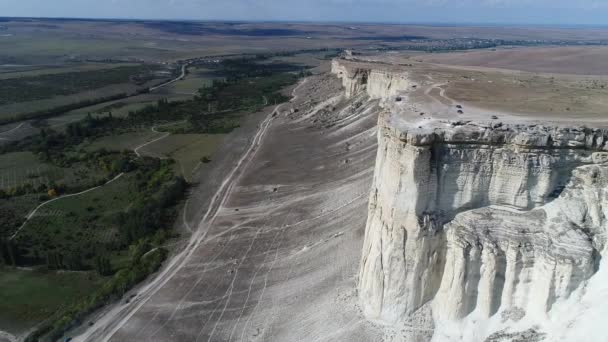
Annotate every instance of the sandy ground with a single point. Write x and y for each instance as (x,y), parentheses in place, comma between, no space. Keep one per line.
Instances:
(280,248)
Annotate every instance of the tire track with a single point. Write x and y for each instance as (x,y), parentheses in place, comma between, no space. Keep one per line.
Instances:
(231,287)
(180,260)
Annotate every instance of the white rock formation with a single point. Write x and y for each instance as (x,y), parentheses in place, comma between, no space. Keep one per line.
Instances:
(378,83)
(495,222)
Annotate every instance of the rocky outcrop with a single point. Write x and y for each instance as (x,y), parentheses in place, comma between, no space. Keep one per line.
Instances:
(378,83)
(483,220)
(460,213)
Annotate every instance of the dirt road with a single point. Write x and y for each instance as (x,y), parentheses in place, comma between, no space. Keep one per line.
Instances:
(117,317)
(179,78)
(10,134)
(275,254)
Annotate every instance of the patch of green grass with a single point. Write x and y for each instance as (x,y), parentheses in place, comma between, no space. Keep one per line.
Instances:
(14,109)
(28,297)
(121,108)
(13,212)
(20,168)
(120,142)
(197,77)
(117,107)
(190,85)
(80,223)
(186,149)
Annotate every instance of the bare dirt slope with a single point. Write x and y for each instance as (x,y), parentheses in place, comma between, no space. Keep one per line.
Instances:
(279,259)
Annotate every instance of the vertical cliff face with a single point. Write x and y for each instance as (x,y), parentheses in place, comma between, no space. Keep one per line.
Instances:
(459,215)
(379,84)
(478,220)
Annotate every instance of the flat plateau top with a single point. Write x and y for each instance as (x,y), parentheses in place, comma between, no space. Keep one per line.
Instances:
(575,60)
(444,90)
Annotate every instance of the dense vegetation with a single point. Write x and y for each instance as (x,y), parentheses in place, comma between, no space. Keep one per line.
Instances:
(117,231)
(249,84)
(144,260)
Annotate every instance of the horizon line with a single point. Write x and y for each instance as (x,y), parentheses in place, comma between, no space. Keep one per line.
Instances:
(322,22)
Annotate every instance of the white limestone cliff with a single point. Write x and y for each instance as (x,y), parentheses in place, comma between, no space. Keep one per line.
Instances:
(502,224)
(379,84)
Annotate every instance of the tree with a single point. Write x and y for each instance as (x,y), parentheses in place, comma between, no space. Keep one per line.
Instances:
(9,252)
(73,261)
(103,266)
(54,260)
(52,193)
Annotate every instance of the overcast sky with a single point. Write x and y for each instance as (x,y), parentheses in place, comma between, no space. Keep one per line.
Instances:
(590,12)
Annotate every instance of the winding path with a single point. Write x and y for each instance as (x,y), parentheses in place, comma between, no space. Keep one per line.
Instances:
(119,315)
(136,150)
(10,131)
(7,336)
(179,78)
(31,214)
(13,129)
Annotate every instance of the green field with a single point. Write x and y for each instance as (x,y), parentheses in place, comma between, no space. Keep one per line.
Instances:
(14,210)
(30,296)
(25,180)
(198,77)
(186,149)
(115,230)
(33,91)
(189,86)
(178,91)
(14,109)
(120,142)
(83,224)
(102,234)
(20,168)
(119,108)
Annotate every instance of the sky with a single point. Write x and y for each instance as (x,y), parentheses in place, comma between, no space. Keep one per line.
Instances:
(545,12)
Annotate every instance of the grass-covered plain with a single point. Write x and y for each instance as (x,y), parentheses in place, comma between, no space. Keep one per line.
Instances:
(123,141)
(30,95)
(117,230)
(186,149)
(20,168)
(80,224)
(29,296)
